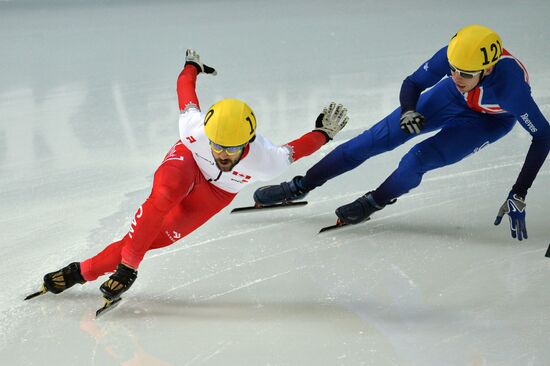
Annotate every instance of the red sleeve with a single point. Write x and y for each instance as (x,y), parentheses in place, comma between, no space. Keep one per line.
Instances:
(186,87)
(307,144)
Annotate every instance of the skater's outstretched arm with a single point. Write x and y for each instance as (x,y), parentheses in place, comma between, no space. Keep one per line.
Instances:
(516,98)
(327,125)
(187,80)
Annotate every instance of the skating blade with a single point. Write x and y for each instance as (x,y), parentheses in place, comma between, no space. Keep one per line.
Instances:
(339,224)
(42,291)
(269,207)
(109,304)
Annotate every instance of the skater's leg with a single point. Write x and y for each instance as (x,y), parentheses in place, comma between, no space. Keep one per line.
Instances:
(384,136)
(439,105)
(449,146)
(173,180)
(202,203)
(103,262)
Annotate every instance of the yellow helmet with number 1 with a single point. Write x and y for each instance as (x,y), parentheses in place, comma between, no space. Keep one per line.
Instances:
(230,122)
(474,48)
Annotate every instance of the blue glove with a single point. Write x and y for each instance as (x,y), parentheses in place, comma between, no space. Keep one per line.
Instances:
(514,206)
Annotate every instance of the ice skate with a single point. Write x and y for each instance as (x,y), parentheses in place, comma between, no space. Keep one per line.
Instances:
(281,193)
(60,280)
(119,282)
(358,211)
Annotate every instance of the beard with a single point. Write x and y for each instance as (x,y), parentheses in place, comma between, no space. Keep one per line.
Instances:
(226,165)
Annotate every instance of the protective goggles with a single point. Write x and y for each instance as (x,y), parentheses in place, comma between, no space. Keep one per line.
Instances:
(465,74)
(229,150)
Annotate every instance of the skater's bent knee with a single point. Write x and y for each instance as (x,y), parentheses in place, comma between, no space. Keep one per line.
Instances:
(422,158)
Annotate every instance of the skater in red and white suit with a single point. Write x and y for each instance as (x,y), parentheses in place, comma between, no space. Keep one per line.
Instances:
(218,154)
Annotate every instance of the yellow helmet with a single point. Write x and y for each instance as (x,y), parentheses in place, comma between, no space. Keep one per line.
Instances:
(230,122)
(474,48)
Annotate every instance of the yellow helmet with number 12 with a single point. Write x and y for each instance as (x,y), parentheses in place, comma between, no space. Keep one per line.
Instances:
(230,122)
(474,48)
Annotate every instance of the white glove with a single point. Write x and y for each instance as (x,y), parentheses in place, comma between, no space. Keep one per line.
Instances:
(331,120)
(193,58)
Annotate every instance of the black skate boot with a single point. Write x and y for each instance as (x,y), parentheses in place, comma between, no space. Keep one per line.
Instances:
(119,282)
(359,210)
(58,281)
(281,193)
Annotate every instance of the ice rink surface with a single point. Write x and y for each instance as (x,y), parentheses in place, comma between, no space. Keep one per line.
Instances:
(88,109)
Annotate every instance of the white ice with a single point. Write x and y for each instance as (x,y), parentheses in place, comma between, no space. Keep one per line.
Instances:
(88,109)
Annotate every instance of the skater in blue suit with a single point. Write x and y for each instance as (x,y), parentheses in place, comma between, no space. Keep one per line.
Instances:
(479,91)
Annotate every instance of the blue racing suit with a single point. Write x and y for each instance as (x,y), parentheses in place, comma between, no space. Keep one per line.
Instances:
(466,122)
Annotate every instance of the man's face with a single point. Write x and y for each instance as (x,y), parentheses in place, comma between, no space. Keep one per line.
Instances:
(225,161)
(463,82)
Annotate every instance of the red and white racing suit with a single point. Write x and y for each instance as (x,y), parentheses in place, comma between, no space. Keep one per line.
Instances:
(188,188)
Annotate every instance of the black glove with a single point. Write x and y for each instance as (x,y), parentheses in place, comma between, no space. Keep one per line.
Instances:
(193,58)
(412,122)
